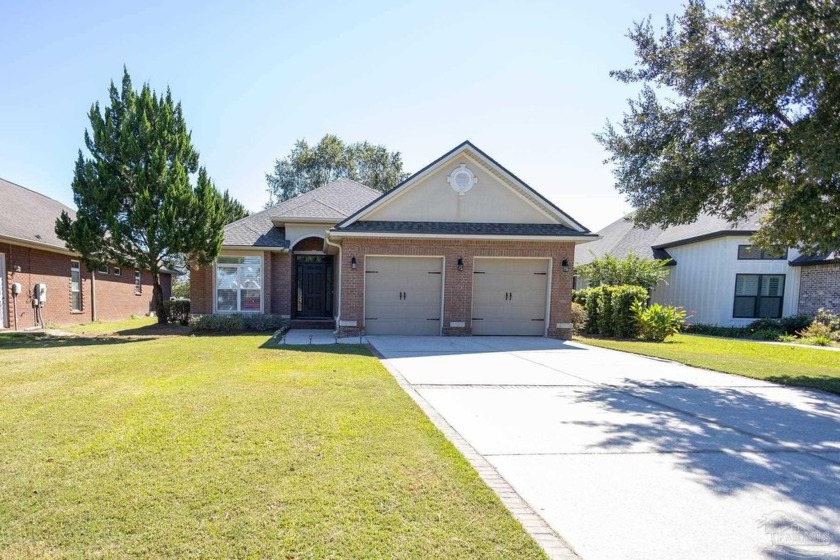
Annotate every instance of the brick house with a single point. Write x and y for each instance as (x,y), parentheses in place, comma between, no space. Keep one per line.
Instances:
(31,253)
(461,247)
(718,276)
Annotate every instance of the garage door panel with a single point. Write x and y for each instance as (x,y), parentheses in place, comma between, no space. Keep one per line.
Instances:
(509,296)
(403,295)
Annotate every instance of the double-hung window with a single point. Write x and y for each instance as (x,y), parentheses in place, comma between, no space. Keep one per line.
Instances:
(75,287)
(138,283)
(759,296)
(239,284)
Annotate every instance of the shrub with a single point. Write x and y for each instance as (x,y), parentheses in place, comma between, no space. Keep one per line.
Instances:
(787,338)
(819,331)
(794,323)
(828,318)
(658,322)
(588,298)
(604,319)
(578,318)
(766,334)
(716,330)
(177,311)
(623,321)
(765,324)
(236,322)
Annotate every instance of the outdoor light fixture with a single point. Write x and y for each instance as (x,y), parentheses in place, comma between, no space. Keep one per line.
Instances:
(17,268)
(353,263)
(460,264)
(565,264)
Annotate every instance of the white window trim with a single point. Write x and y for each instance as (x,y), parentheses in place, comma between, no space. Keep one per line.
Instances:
(103,270)
(117,271)
(79,269)
(138,283)
(262,285)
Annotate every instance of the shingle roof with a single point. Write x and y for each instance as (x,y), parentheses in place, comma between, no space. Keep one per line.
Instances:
(30,216)
(810,260)
(459,228)
(333,201)
(621,237)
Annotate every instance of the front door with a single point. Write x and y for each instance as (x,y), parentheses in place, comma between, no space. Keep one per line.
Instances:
(313,295)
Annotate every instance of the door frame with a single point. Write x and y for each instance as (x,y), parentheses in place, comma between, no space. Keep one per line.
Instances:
(329,297)
(4,286)
(442,282)
(548,279)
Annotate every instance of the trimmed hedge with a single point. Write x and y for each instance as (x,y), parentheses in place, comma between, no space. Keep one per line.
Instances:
(609,309)
(177,311)
(237,322)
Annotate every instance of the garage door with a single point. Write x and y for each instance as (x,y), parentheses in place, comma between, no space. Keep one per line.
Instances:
(509,296)
(402,295)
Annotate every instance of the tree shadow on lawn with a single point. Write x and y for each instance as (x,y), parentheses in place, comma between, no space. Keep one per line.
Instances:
(156,330)
(738,441)
(339,349)
(22,341)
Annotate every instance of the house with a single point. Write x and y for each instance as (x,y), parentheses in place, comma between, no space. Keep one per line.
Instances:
(461,247)
(31,253)
(718,277)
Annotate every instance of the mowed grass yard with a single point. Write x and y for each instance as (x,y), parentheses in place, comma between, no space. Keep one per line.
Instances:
(228,446)
(790,365)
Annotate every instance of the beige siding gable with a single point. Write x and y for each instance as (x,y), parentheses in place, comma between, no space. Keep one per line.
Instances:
(490,200)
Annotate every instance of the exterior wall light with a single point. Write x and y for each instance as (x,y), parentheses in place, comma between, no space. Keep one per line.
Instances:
(353,263)
(460,264)
(565,264)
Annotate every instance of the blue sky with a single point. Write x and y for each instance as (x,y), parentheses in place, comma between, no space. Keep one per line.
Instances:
(525,81)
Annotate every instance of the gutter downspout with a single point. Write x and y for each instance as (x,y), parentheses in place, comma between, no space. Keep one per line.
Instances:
(92,295)
(340,266)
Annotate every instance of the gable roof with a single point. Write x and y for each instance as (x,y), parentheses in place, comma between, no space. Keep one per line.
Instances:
(331,203)
(811,260)
(29,216)
(460,228)
(492,165)
(334,201)
(621,237)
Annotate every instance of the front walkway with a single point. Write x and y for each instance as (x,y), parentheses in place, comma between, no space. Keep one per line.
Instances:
(632,457)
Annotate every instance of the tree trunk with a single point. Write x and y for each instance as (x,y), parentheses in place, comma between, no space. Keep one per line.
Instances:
(157,298)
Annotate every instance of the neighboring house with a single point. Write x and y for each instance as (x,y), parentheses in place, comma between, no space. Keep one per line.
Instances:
(31,253)
(461,247)
(718,277)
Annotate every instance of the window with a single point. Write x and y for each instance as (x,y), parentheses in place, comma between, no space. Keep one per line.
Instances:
(75,287)
(117,271)
(103,269)
(138,283)
(239,284)
(753,253)
(759,295)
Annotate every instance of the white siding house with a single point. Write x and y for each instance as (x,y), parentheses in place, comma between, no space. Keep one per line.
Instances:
(717,276)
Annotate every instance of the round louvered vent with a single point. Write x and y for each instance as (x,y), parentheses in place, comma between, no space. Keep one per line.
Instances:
(462,179)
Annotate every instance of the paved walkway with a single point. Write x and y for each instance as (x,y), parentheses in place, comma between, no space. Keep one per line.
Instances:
(632,457)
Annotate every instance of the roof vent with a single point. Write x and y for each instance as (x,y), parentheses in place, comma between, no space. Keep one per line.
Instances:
(462,179)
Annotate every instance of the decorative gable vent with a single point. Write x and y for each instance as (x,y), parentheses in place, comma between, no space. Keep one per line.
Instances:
(462,179)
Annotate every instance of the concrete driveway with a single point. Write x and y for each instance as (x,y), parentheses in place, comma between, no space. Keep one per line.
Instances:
(632,457)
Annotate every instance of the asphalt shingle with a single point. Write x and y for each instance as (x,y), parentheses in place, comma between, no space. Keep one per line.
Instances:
(30,216)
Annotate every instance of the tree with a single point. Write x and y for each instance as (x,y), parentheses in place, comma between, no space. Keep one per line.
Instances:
(136,204)
(737,114)
(309,167)
(233,209)
(631,270)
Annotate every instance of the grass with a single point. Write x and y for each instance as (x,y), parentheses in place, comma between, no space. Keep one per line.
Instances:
(228,446)
(109,327)
(789,365)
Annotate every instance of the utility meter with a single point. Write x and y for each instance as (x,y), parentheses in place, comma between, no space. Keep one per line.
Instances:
(39,294)
(16,288)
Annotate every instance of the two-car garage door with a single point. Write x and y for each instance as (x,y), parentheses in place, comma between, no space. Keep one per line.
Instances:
(403,296)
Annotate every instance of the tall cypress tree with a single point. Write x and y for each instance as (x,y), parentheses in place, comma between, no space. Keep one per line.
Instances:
(136,202)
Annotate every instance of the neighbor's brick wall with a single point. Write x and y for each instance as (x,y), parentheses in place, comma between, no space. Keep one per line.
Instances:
(201,290)
(115,297)
(458,284)
(819,286)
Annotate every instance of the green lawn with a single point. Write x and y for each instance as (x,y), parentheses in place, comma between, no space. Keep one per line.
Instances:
(227,446)
(105,327)
(791,365)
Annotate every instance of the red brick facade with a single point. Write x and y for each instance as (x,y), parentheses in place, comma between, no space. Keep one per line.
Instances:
(457,290)
(277,287)
(115,295)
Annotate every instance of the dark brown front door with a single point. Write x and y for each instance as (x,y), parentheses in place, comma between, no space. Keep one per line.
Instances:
(314,286)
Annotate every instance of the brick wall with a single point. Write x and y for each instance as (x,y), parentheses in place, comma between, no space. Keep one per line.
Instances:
(115,297)
(277,289)
(819,286)
(458,284)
